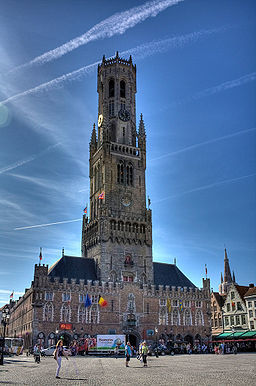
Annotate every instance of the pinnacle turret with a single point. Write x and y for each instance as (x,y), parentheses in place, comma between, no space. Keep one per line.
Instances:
(221,278)
(142,126)
(234,278)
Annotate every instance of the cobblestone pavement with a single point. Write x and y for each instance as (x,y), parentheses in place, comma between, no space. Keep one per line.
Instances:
(178,370)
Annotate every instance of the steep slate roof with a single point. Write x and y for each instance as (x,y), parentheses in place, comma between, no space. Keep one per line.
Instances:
(251,291)
(242,289)
(72,267)
(169,274)
(220,299)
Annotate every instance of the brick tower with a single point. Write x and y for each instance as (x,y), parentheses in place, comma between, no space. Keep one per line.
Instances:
(118,234)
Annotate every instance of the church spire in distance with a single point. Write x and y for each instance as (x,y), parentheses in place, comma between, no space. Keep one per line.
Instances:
(227,272)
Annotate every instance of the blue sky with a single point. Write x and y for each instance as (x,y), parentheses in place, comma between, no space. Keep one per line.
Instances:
(196,89)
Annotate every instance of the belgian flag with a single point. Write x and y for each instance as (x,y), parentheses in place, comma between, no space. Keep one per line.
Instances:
(102,302)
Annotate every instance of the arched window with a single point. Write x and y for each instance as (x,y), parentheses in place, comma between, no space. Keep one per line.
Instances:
(111,88)
(163,316)
(113,276)
(113,225)
(111,108)
(129,174)
(175,318)
(199,318)
(65,313)
(135,227)
(81,314)
(48,312)
(187,318)
(122,89)
(120,173)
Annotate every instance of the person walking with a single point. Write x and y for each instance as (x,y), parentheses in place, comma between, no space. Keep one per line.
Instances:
(144,351)
(128,353)
(58,354)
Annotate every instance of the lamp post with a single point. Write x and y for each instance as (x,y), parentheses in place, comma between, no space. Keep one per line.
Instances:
(5,318)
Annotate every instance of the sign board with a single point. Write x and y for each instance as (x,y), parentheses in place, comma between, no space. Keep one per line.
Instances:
(65,326)
(109,342)
(150,332)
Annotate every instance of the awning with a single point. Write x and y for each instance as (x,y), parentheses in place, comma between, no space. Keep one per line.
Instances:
(248,334)
(236,334)
(223,335)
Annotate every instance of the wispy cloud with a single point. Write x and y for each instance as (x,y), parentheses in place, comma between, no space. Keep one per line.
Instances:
(116,24)
(139,52)
(29,159)
(46,225)
(151,48)
(216,89)
(204,187)
(196,145)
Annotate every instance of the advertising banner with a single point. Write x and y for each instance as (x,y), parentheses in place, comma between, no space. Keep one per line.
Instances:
(109,342)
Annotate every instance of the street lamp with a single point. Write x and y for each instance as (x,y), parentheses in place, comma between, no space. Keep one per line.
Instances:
(5,318)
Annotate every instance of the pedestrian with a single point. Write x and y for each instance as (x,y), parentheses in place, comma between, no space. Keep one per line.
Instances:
(58,354)
(128,353)
(116,351)
(144,351)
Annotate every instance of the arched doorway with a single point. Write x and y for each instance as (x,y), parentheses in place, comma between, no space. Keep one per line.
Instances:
(133,338)
(188,339)
(65,337)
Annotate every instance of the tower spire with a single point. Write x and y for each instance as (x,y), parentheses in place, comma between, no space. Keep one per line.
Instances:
(227,273)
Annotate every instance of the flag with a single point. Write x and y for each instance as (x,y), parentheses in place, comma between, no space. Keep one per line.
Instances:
(85,210)
(205,270)
(168,305)
(102,302)
(40,255)
(101,196)
(88,301)
(11,296)
(181,306)
(233,304)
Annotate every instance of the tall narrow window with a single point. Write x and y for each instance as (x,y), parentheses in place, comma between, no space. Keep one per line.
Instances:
(111,109)
(129,174)
(120,173)
(122,89)
(111,88)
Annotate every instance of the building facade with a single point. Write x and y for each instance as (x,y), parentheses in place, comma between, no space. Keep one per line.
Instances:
(146,300)
(250,301)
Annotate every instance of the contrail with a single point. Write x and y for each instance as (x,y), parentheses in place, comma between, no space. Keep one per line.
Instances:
(116,24)
(151,48)
(203,144)
(57,82)
(204,187)
(46,225)
(139,52)
(29,159)
(216,89)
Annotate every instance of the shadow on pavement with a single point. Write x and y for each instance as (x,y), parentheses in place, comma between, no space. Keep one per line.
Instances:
(75,379)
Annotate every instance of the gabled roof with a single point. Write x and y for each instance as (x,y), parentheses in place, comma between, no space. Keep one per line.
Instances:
(73,267)
(169,274)
(251,291)
(220,299)
(242,289)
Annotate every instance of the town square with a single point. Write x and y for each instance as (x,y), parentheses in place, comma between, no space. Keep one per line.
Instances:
(127,192)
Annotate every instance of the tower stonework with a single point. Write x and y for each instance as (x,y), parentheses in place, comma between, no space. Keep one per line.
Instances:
(118,234)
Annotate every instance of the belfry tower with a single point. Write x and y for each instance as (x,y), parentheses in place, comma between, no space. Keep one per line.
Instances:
(118,234)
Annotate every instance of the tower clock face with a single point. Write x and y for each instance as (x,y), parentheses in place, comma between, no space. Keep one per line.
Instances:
(126,201)
(100,120)
(124,115)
